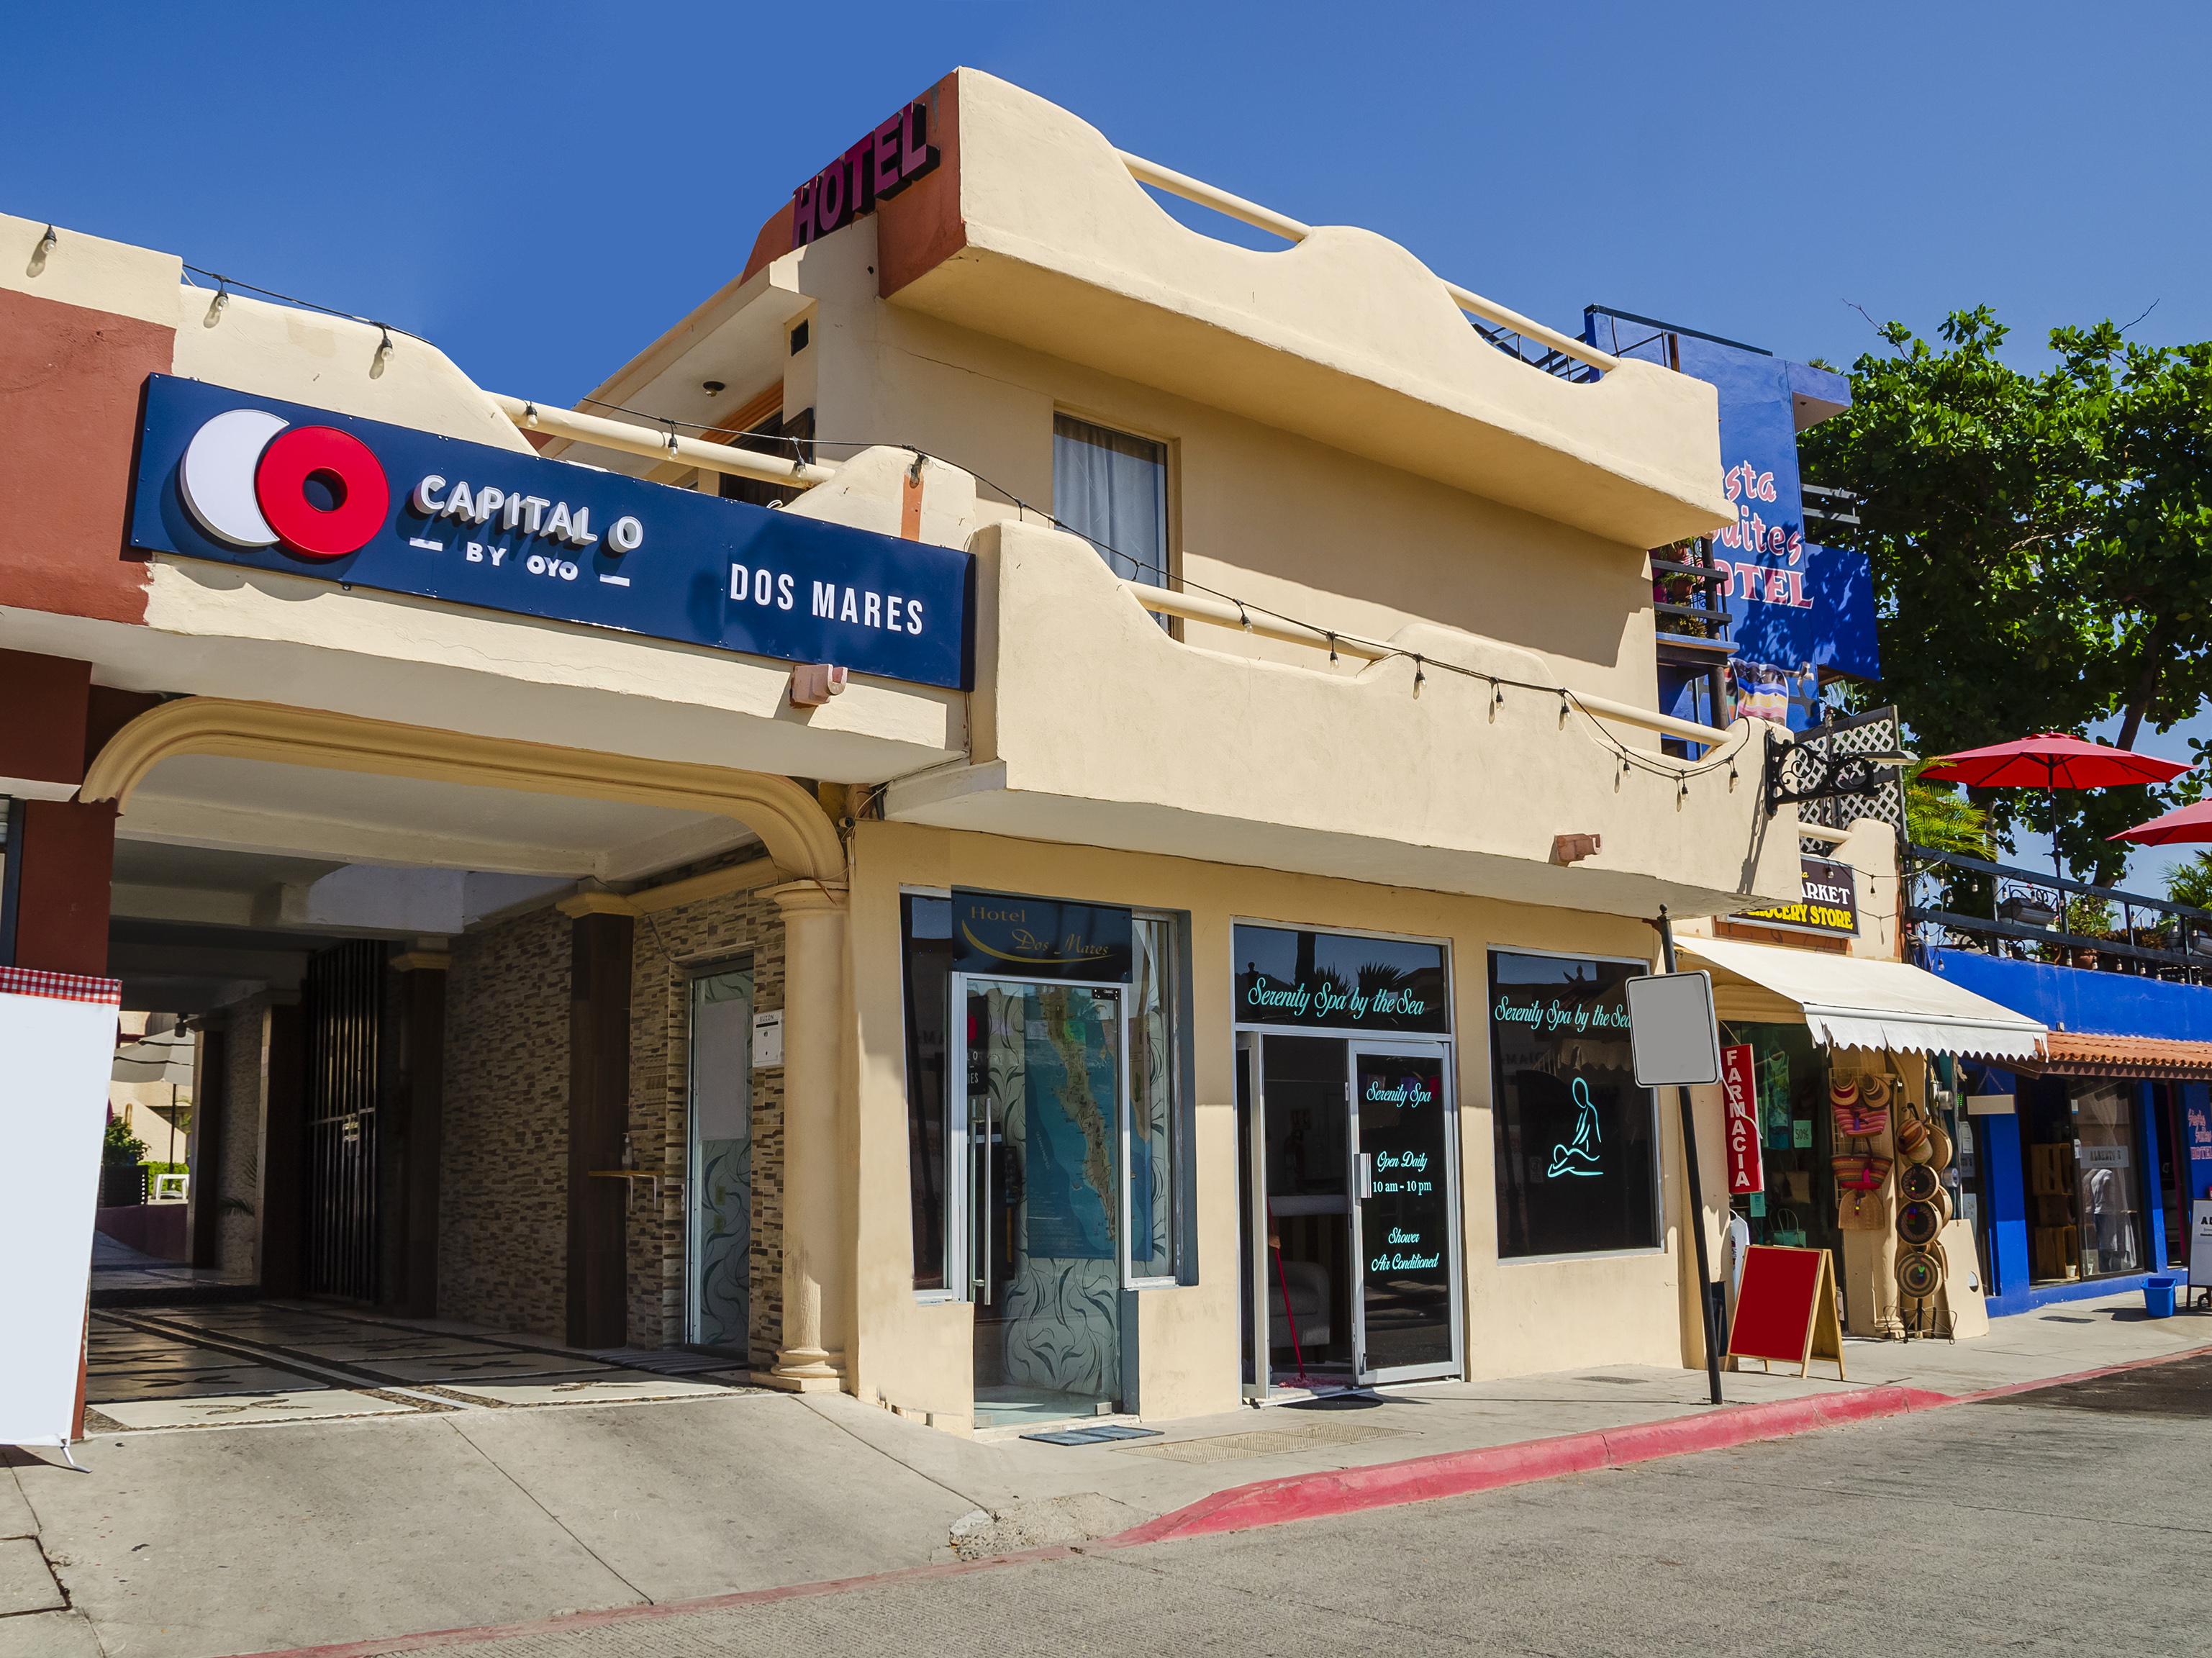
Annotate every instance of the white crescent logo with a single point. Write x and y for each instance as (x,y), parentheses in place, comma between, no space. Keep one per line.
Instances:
(218,476)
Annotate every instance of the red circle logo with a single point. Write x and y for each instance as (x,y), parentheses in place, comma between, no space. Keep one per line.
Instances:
(322,491)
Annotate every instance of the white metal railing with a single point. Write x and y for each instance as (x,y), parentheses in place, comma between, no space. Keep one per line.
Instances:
(626,437)
(1226,613)
(1295,230)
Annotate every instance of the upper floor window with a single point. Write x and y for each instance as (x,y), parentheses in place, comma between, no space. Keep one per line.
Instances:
(1111,489)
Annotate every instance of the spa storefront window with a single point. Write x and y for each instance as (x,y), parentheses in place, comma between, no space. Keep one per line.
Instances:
(1576,1139)
(1143,1168)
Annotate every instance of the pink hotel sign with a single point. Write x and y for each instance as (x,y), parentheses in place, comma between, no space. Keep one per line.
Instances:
(874,170)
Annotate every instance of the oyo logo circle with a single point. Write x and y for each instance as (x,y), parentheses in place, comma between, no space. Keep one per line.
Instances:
(253,479)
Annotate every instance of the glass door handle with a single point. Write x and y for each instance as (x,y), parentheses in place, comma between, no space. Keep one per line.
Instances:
(984,1211)
(1366,1176)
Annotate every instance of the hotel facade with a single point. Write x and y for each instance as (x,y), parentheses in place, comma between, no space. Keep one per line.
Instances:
(1032,812)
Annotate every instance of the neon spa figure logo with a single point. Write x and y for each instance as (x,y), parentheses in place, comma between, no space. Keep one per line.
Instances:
(1580,1158)
(253,479)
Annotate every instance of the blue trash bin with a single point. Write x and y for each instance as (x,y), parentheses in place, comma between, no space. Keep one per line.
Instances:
(2158,1297)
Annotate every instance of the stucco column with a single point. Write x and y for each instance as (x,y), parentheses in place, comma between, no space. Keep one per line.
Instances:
(817,1232)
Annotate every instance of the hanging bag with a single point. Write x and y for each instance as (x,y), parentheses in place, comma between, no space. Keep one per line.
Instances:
(1859,1171)
(1861,1110)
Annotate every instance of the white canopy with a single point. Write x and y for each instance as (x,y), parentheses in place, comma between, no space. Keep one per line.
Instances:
(1851,1002)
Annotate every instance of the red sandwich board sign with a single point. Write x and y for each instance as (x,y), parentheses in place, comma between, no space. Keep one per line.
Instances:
(1740,1094)
(1786,1310)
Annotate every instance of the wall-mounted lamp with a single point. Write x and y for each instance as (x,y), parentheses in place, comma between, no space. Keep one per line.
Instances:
(1841,777)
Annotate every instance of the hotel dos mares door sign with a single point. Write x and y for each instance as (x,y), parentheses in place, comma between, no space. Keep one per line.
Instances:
(278,486)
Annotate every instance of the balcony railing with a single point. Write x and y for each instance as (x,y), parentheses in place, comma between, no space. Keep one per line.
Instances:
(2037,917)
(1523,337)
(1689,594)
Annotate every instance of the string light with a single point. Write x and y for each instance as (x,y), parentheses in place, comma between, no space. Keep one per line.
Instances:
(1629,758)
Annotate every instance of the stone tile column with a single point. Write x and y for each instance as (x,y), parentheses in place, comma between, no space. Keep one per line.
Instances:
(817,1232)
(599,1118)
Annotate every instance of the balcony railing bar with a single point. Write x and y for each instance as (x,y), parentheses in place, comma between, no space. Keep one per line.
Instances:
(1500,317)
(1227,613)
(2192,927)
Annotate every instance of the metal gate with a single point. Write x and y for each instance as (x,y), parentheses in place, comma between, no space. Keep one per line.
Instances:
(342,999)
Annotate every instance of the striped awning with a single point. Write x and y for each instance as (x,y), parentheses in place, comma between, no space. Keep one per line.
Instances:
(1848,1001)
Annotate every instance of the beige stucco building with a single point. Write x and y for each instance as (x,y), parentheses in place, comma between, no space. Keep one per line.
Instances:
(1210,991)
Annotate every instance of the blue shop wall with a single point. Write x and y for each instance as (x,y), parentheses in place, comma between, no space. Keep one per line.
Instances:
(2075,1000)
(2078,1001)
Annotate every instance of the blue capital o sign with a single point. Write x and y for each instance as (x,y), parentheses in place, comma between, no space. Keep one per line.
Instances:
(278,486)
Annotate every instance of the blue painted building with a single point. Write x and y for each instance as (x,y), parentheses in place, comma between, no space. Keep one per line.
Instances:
(2091,1163)
(1760,612)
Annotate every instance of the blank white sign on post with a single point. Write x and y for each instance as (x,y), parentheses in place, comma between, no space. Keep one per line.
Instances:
(55,1057)
(1671,1030)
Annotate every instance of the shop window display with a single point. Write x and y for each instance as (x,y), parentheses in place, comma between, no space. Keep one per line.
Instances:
(2084,1182)
(1576,1162)
(2107,1177)
(1798,1208)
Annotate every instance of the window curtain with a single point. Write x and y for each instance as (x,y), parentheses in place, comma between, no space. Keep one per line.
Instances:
(1112,490)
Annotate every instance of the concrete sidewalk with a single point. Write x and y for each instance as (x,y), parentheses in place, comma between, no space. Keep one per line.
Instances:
(225,1540)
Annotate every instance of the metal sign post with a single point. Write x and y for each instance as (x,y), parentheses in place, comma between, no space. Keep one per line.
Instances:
(1676,1041)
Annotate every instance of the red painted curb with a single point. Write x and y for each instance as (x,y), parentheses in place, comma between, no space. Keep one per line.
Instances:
(1459,1473)
(1344,1491)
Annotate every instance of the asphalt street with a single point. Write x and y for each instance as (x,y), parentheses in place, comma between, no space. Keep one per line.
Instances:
(2074,1519)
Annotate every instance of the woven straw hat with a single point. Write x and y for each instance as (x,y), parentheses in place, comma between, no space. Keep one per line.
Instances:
(1919,1274)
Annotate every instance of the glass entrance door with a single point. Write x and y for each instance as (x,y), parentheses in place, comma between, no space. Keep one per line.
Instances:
(1044,1144)
(718,1185)
(1406,1231)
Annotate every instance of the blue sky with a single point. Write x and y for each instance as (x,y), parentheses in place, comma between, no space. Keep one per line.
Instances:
(542,188)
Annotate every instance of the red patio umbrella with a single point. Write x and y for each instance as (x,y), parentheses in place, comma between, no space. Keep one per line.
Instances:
(2182,823)
(2052,760)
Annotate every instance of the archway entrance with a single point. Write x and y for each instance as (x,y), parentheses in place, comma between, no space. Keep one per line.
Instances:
(463,1000)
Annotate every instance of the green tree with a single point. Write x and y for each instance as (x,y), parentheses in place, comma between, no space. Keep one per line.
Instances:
(2191,882)
(2041,546)
(120,1145)
(1940,816)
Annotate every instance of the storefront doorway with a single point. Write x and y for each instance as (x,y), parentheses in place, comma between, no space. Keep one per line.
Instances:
(1044,1121)
(1349,1154)
(719,1163)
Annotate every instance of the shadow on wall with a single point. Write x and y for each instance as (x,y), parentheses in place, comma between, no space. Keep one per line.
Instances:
(1421,549)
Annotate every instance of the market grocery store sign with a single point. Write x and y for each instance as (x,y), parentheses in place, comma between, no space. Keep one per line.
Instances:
(1830,903)
(278,486)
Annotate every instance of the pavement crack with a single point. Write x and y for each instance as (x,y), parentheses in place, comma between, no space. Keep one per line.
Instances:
(892,1456)
(493,1463)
